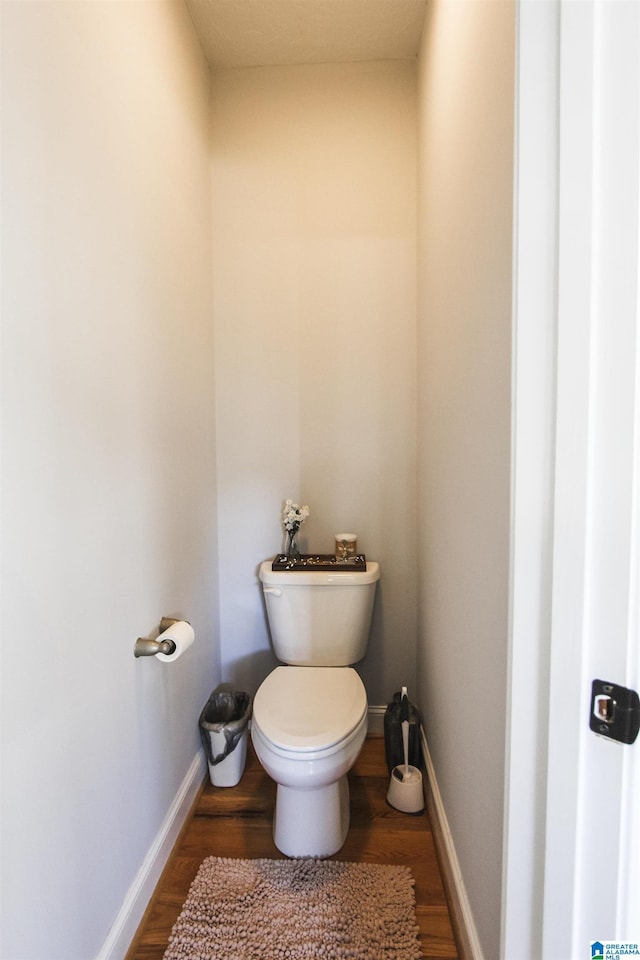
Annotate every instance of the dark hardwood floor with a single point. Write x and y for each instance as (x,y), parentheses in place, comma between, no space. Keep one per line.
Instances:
(236,822)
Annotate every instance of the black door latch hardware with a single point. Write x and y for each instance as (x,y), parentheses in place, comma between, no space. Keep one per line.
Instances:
(615,711)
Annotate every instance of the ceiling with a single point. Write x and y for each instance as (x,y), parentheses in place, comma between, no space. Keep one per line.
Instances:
(249,33)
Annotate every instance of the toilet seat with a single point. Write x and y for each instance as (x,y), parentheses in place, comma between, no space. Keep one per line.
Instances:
(306,710)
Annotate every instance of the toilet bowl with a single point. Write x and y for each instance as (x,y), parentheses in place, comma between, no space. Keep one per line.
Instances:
(308,727)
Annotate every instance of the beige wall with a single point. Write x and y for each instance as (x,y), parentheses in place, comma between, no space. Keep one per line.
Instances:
(314,173)
(464,320)
(108,475)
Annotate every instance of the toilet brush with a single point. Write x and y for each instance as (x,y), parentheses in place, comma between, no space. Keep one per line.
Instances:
(405,789)
(404,722)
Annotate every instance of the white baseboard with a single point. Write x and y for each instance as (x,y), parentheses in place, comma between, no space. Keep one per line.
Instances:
(375,715)
(139,894)
(462,918)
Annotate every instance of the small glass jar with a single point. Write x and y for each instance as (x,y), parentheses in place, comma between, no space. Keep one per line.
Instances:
(346,546)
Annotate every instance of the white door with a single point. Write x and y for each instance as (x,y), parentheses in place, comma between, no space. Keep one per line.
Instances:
(582,857)
(594,629)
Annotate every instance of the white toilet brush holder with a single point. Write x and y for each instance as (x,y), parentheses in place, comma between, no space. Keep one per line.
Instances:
(405,789)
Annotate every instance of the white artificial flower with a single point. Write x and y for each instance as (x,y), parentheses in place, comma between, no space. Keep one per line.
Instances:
(293,515)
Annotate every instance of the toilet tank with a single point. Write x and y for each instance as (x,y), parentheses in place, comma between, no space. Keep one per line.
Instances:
(321,618)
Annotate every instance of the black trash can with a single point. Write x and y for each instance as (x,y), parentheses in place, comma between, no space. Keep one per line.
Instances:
(393,749)
(224,727)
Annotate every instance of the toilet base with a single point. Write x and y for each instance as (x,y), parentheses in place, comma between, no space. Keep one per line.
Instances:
(312,822)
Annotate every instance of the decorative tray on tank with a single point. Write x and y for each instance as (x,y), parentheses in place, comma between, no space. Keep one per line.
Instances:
(318,561)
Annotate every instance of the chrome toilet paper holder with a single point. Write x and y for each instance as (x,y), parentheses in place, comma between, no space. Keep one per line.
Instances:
(150,648)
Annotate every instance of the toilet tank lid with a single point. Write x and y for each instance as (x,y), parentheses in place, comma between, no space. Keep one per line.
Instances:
(302,578)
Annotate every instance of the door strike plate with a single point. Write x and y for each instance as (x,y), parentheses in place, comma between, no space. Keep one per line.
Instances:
(615,711)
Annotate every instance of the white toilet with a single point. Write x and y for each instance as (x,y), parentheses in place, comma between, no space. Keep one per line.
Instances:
(310,718)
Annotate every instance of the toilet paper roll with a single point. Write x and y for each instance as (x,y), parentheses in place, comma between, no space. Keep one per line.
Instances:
(182,634)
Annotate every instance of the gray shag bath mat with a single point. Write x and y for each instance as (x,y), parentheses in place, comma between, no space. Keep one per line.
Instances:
(297,909)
